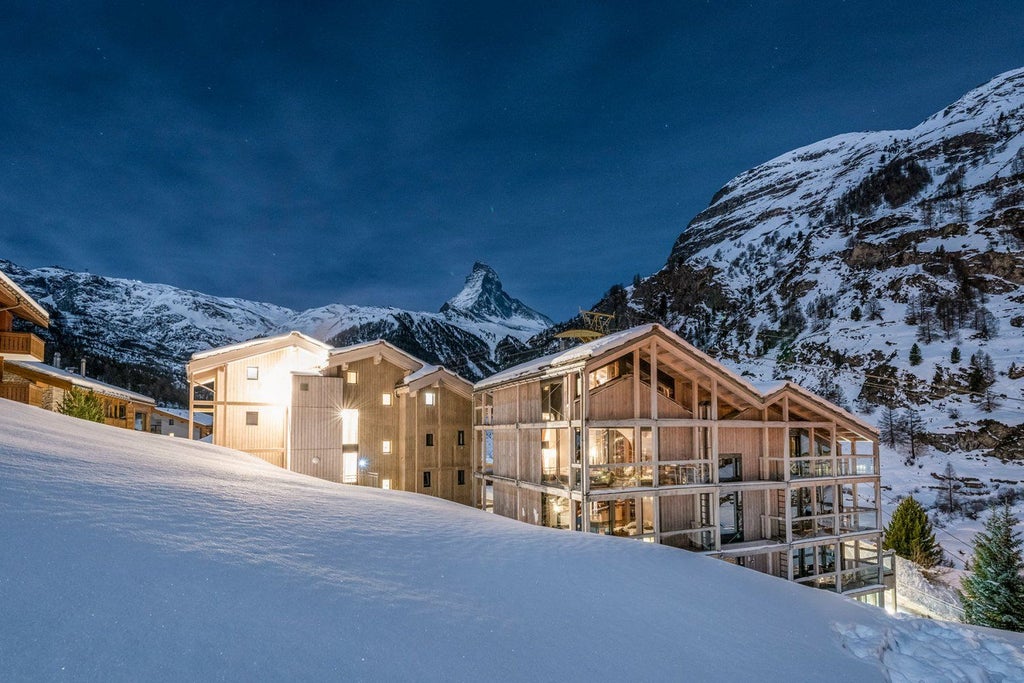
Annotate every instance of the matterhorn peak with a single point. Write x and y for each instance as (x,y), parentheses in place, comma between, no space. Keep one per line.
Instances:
(483,298)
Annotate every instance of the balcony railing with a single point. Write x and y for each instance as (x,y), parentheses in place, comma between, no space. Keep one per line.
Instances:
(21,346)
(14,392)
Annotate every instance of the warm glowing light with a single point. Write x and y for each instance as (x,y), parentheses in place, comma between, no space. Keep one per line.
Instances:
(428,398)
(385,446)
(349,426)
(386,484)
(549,458)
(349,473)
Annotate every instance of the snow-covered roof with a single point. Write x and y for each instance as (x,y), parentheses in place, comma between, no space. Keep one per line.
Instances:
(82,382)
(24,305)
(577,354)
(260,341)
(580,354)
(204,419)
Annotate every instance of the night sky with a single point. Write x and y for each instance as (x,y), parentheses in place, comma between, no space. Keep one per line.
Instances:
(370,153)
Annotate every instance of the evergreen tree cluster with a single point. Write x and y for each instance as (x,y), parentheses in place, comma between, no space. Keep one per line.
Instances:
(84,405)
(911,536)
(993,593)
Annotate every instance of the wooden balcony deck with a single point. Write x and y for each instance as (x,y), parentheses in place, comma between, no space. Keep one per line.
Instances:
(21,393)
(21,346)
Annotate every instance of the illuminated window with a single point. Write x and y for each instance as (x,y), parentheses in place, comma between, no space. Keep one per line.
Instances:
(252,418)
(349,468)
(350,426)
(385,446)
(428,398)
(386,484)
(462,438)
(252,372)
(426,480)
(351,377)
(430,439)
(385,399)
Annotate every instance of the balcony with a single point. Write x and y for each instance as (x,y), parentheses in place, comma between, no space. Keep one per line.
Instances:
(21,346)
(21,393)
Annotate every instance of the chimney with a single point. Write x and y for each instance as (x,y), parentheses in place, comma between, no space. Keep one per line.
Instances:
(56,360)
(81,367)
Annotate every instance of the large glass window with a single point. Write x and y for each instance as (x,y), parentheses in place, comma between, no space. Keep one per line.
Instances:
(730,467)
(623,516)
(349,467)
(552,401)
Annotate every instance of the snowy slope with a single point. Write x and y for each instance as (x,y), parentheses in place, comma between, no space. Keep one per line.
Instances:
(131,556)
(158,327)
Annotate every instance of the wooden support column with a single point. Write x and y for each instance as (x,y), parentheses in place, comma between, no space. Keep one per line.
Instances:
(191,402)
(636,384)
(654,379)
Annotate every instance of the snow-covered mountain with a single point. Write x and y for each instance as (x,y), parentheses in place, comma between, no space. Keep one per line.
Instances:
(141,334)
(828,264)
(132,556)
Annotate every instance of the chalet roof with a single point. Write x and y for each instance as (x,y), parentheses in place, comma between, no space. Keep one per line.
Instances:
(784,386)
(584,352)
(368,349)
(429,374)
(77,380)
(578,355)
(23,306)
(261,341)
(204,419)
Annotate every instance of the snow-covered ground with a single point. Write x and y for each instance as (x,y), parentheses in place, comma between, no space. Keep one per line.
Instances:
(131,556)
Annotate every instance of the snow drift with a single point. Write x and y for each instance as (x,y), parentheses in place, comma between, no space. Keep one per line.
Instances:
(135,556)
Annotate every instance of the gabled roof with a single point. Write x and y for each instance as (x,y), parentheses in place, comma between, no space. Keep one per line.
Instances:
(47,373)
(21,304)
(205,360)
(429,375)
(203,419)
(784,386)
(557,363)
(373,349)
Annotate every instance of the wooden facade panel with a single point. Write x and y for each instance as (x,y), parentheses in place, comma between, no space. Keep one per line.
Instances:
(612,401)
(529,455)
(679,512)
(529,506)
(747,442)
(505,409)
(675,443)
(505,453)
(505,500)
(529,402)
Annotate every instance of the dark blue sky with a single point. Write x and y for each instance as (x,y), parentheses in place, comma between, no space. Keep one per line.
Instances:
(370,153)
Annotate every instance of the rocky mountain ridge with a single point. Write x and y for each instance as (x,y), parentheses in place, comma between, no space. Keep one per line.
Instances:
(140,335)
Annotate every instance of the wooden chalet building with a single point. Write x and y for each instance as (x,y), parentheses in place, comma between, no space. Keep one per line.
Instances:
(46,385)
(18,346)
(174,422)
(368,414)
(640,434)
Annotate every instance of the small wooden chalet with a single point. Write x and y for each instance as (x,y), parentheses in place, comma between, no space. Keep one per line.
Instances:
(18,346)
(46,385)
(368,414)
(174,422)
(640,434)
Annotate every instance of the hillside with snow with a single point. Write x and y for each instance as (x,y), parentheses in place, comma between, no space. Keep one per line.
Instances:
(141,334)
(828,264)
(131,556)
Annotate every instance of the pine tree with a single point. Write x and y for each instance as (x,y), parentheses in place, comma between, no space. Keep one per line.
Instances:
(82,404)
(915,355)
(954,355)
(910,534)
(855,314)
(993,593)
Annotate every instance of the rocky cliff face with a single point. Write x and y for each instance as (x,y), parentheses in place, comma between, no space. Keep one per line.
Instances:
(830,263)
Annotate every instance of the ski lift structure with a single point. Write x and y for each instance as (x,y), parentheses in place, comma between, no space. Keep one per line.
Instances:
(595,326)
